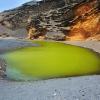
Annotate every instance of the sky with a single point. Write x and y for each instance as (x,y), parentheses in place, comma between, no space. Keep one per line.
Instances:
(9,4)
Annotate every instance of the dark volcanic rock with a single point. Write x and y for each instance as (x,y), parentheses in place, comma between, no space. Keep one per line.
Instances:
(17,18)
(54,15)
(58,36)
(2,68)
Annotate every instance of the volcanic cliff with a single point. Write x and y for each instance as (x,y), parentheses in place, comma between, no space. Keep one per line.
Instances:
(61,19)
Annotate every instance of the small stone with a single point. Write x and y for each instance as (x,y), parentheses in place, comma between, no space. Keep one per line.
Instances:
(0,67)
(77,99)
(54,94)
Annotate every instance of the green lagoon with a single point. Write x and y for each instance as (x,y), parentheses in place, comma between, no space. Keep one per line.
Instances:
(51,60)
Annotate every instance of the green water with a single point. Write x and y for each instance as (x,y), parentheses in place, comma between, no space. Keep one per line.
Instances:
(51,60)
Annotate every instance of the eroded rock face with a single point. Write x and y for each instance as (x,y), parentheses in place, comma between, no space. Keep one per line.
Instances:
(78,21)
(87,24)
(66,17)
(58,36)
(86,27)
(17,18)
(2,68)
(18,33)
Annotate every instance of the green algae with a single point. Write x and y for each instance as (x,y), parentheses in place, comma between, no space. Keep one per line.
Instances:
(51,60)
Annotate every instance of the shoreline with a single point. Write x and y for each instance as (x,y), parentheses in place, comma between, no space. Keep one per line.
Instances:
(8,44)
(70,88)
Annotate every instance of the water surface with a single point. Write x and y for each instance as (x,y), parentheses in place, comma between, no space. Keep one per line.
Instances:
(51,60)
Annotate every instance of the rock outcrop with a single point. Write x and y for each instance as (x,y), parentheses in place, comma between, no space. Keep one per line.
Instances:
(87,23)
(2,68)
(17,18)
(63,19)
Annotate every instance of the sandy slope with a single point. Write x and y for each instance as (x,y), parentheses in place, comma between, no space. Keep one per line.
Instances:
(94,45)
(78,88)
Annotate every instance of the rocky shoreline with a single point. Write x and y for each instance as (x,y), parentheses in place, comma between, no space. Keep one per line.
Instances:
(11,44)
(77,88)
(62,19)
(8,44)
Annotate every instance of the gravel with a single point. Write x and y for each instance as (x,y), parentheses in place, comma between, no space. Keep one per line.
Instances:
(13,43)
(72,88)
(78,88)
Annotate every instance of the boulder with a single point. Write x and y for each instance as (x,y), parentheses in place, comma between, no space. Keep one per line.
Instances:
(2,68)
(58,36)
